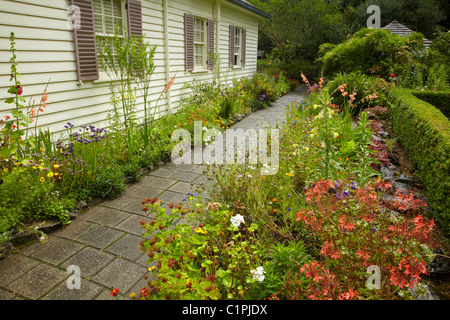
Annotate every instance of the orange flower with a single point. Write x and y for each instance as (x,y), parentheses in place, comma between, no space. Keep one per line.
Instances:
(114,292)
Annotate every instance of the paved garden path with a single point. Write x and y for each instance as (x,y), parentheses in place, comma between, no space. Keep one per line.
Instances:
(104,241)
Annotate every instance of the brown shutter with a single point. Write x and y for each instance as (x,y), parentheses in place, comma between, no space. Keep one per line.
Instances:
(243,45)
(134,14)
(84,39)
(210,50)
(231,46)
(189,41)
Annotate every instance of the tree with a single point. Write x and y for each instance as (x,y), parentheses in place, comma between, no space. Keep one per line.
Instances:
(298,27)
(418,15)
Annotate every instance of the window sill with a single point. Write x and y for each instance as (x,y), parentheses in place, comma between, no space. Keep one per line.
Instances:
(237,67)
(200,71)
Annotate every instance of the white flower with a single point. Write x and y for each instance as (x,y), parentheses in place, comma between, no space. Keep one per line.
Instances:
(258,274)
(237,220)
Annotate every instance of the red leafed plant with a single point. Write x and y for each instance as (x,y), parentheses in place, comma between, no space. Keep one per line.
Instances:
(355,231)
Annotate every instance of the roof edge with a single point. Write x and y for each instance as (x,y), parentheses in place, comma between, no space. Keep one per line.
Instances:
(251,8)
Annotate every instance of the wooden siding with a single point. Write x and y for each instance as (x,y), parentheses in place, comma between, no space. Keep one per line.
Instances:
(45,52)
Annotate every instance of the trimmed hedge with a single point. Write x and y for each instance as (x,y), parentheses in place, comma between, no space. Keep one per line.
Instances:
(439,99)
(424,132)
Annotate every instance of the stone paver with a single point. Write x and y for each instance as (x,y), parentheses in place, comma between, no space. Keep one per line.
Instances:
(104,241)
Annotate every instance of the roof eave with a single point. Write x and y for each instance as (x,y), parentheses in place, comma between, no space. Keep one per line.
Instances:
(251,8)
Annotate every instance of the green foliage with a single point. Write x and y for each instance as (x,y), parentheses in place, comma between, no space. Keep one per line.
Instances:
(297,28)
(283,261)
(439,99)
(108,183)
(421,16)
(438,76)
(372,52)
(29,193)
(205,256)
(424,132)
(370,91)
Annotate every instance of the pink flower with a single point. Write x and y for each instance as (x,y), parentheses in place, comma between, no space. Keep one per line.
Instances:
(19,90)
(392,75)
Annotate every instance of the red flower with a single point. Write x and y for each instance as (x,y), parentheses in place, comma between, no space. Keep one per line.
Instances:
(114,292)
(19,90)
(392,75)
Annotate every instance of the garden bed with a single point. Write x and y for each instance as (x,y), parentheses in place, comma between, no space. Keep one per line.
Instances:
(314,230)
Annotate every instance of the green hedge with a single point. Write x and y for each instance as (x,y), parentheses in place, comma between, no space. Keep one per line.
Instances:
(439,99)
(424,132)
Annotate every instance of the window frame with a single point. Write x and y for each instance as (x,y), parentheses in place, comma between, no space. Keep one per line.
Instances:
(123,8)
(203,44)
(237,60)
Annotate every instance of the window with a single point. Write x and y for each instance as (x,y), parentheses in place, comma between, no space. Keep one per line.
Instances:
(198,43)
(106,15)
(200,58)
(237,46)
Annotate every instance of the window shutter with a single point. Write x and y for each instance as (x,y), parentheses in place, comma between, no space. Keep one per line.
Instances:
(210,44)
(231,46)
(189,41)
(134,15)
(243,45)
(84,40)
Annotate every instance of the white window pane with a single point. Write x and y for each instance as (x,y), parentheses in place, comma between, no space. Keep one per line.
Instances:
(107,7)
(107,15)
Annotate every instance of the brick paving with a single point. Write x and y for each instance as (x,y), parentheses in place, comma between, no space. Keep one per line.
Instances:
(104,240)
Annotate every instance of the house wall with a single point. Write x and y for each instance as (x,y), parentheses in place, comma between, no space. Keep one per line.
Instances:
(45,52)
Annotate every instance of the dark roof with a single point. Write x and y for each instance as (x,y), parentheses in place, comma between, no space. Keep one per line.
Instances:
(244,4)
(397,28)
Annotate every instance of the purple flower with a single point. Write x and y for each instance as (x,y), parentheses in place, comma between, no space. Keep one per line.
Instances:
(346,193)
(354,186)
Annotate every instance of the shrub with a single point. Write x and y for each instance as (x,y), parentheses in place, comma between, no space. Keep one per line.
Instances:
(424,132)
(439,99)
(356,233)
(372,52)
(209,254)
(363,85)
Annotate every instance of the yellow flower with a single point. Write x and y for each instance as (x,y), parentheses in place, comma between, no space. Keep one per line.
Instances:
(151,268)
(50,174)
(56,166)
(200,230)
(132,295)
(41,179)
(5,169)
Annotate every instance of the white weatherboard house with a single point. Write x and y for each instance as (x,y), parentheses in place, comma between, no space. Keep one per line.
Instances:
(183,30)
